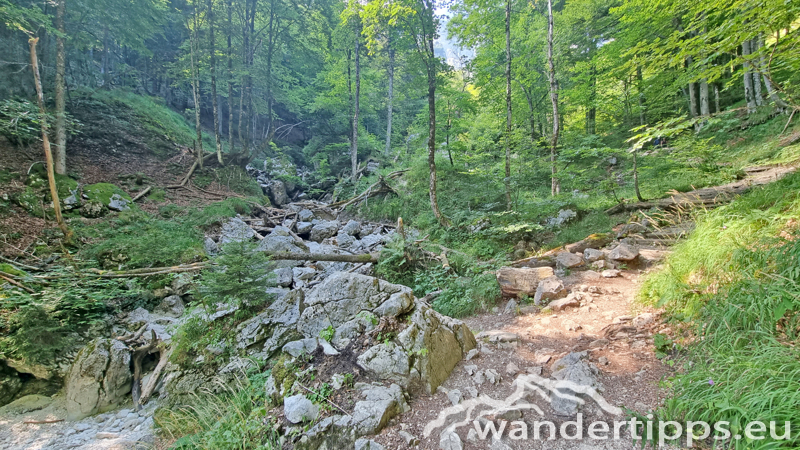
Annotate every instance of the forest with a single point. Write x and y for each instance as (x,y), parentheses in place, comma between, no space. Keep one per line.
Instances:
(311,224)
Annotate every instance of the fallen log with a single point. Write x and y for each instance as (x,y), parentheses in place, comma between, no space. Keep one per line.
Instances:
(362,258)
(152,382)
(137,357)
(142,194)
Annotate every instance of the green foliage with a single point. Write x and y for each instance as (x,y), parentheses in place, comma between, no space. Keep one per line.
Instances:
(236,418)
(233,177)
(238,277)
(327,333)
(38,327)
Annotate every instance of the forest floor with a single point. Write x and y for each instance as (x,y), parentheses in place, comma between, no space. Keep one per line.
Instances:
(614,331)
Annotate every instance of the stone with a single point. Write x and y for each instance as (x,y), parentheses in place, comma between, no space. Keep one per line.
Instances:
(301,346)
(26,404)
(564,216)
(512,369)
(235,230)
(631,228)
(454,395)
(643,319)
(602,361)
(598,343)
(106,435)
(303,227)
(592,255)
(380,405)
(99,379)
(171,306)
(351,228)
(119,203)
(10,384)
(569,260)
(611,273)
(211,248)
(573,368)
(277,193)
(492,376)
(474,353)
(305,215)
(449,440)
(323,230)
(108,195)
(298,409)
(497,336)
(386,361)
(599,264)
(516,282)
(368,444)
(511,307)
(273,328)
(550,288)
(278,242)
(623,252)
(283,276)
(593,241)
(302,275)
(570,301)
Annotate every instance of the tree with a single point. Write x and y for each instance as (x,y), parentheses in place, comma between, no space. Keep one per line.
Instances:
(61,114)
(508,105)
(213,57)
(555,186)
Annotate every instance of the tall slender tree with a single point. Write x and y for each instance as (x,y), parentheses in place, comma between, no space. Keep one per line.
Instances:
(555,185)
(213,60)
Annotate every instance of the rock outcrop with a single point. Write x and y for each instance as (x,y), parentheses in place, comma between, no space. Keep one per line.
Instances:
(99,380)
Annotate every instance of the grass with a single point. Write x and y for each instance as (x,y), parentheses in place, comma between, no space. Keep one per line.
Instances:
(234,417)
(736,283)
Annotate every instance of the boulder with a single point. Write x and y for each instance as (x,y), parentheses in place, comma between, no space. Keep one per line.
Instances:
(235,230)
(574,368)
(303,227)
(10,384)
(592,255)
(305,215)
(323,230)
(631,228)
(272,329)
(515,282)
(564,216)
(211,248)
(550,288)
(298,409)
(277,241)
(623,252)
(368,444)
(283,276)
(597,240)
(171,306)
(380,404)
(99,380)
(610,273)
(568,260)
(570,301)
(387,362)
(351,228)
(108,195)
(277,193)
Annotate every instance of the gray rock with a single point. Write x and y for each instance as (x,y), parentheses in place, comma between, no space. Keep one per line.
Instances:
(386,361)
(550,288)
(352,228)
(283,276)
(344,240)
(301,346)
(10,385)
(298,409)
(474,353)
(277,193)
(305,215)
(564,216)
(278,242)
(610,273)
(211,248)
(643,319)
(574,368)
(235,230)
(118,203)
(273,328)
(368,444)
(515,282)
(303,227)
(623,252)
(454,395)
(449,440)
(171,306)
(324,230)
(511,307)
(380,405)
(100,378)
(568,260)
(592,255)
(599,264)
(302,275)
(409,438)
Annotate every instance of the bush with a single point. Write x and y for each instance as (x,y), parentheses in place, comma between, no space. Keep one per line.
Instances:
(239,278)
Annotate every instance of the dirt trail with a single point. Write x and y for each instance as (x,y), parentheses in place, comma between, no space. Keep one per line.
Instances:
(616,333)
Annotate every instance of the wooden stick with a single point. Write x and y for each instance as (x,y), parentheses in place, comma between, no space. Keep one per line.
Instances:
(148,388)
(15,283)
(37,422)
(18,264)
(142,194)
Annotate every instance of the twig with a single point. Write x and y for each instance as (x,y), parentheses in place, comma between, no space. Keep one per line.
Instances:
(788,122)
(18,264)
(15,283)
(38,422)
(326,399)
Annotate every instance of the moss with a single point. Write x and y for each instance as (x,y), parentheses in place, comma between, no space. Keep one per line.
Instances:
(102,192)
(8,268)
(31,200)
(284,373)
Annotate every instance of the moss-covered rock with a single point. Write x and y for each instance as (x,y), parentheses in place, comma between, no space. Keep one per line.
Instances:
(37,192)
(108,195)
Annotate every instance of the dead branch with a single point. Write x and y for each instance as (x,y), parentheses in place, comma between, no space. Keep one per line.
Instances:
(7,277)
(17,265)
(138,356)
(362,258)
(142,194)
(38,422)
(377,188)
(147,390)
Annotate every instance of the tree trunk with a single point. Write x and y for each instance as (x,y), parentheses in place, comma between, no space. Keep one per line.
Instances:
(51,177)
(230,77)
(591,110)
(765,70)
(389,100)
(692,90)
(716,98)
(555,186)
(196,87)
(754,47)
(212,52)
(354,141)
(748,79)
(640,88)
(705,109)
(61,64)
(507,179)
(105,69)
(636,177)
